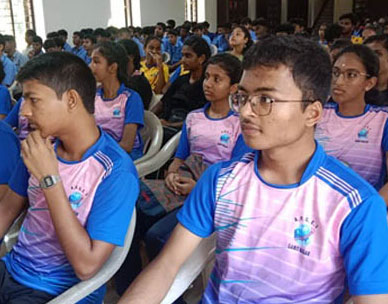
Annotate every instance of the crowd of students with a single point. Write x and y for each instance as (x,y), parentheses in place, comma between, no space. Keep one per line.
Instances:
(283,154)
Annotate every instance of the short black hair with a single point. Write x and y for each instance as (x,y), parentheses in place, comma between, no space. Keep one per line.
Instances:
(171,23)
(115,53)
(77,33)
(49,43)
(59,42)
(37,39)
(52,35)
(99,32)
(62,71)
(172,32)
(30,33)
(333,32)
(9,38)
(198,26)
(349,16)
(91,37)
(368,58)
(162,25)
(340,44)
(199,46)
(132,50)
(285,28)
(246,20)
(261,21)
(229,63)
(308,62)
(382,39)
(62,32)
(150,38)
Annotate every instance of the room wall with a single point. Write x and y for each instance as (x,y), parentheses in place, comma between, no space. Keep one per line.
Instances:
(152,11)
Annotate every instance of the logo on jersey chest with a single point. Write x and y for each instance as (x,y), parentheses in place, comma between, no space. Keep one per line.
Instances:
(362,135)
(225,138)
(305,228)
(116,113)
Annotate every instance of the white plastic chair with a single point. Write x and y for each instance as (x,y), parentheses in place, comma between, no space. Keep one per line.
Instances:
(166,57)
(160,158)
(155,100)
(152,135)
(213,49)
(111,266)
(201,258)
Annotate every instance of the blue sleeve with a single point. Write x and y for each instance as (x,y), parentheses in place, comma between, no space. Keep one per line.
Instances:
(183,150)
(9,154)
(134,110)
(197,213)
(384,143)
(240,148)
(176,74)
(18,182)
(5,101)
(10,73)
(13,117)
(113,206)
(364,249)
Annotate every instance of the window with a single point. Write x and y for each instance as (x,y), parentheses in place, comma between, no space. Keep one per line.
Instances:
(16,16)
(191,10)
(128,12)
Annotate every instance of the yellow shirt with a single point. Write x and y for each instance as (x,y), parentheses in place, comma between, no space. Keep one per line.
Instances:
(152,73)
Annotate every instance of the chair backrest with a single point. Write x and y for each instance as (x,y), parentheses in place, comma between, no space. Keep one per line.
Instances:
(111,266)
(200,258)
(160,158)
(155,100)
(166,57)
(213,49)
(152,135)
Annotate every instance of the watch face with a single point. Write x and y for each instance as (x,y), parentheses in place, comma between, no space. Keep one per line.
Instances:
(48,181)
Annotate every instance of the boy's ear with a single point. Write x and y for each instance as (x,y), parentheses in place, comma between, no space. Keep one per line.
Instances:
(73,99)
(233,88)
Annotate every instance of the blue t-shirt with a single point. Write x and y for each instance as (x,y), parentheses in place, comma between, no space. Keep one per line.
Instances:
(9,152)
(294,243)
(102,189)
(80,52)
(221,43)
(140,46)
(10,71)
(5,100)
(175,51)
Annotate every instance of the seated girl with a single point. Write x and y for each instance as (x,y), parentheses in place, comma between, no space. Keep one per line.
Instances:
(355,132)
(240,41)
(118,109)
(209,135)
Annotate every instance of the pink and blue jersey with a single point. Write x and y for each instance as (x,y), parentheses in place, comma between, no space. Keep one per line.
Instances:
(9,152)
(102,189)
(300,243)
(214,139)
(361,142)
(113,114)
(16,120)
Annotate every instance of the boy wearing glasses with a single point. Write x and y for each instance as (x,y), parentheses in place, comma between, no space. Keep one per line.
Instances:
(292,223)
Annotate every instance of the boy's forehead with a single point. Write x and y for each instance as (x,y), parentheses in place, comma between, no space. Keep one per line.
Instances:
(34,86)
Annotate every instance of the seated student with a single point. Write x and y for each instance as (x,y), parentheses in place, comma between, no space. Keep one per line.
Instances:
(153,67)
(37,44)
(287,231)
(247,23)
(50,45)
(337,46)
(78,48)
(198,31)
(80,192)
(88,44)
(28,37)
(10,49)
(379,44)
(184,33)
(119,110)
(186,93)
(127,34)
(174,48)
(240,41)
(221,41)
(9,155)
(9,67)
(261,28)
(136,79)
(210,135)
(63,35)
(354,132)
(5,96)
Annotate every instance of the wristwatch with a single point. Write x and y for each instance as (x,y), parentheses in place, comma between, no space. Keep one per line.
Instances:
(49,181)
